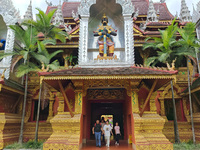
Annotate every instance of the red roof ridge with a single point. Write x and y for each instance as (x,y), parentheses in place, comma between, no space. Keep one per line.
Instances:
(50,7)
(138,28)
(74,29)
(155,69)
(158,23)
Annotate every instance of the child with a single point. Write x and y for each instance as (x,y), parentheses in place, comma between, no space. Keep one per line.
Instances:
(107,129)
(117,133)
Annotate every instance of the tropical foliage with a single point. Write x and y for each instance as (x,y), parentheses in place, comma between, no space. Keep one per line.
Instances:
(70,59)
(164,46)
(168,49)
(43,25)
(32,51)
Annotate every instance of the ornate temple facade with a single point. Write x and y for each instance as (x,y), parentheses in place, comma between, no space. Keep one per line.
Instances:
(108,78)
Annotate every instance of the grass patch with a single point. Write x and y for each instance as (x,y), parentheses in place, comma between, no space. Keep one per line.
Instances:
(186,146)
(28,145)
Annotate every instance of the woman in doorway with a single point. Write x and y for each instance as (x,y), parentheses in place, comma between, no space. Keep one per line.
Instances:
(117,133)
(107,129)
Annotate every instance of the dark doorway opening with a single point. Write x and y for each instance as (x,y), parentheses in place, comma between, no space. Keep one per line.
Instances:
(111,108)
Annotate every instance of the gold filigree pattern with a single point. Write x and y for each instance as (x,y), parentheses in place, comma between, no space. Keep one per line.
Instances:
(106,94)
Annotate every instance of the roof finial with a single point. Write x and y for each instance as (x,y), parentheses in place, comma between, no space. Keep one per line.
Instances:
(185,13)
(58,20)
(152,14)
(29,14)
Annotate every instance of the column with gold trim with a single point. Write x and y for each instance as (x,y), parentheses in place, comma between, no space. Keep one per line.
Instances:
(134,95)
(78,96)
(153,103)
(61,102)
(134,100)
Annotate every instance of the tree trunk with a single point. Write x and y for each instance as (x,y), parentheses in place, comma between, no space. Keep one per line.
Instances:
(176,132)
(190,100)
(23,112)
(38,114)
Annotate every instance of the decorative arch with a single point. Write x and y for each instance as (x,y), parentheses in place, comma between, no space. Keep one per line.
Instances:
(84,13)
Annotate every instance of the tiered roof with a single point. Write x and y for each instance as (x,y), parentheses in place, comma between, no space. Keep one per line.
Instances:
(142,26)
(142,5)
(134,70)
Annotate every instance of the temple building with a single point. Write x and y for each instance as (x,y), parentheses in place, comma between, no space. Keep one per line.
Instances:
(107,77)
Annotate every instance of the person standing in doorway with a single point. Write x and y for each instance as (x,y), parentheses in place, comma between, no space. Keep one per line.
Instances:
(102,125)
(117,133)
(96,130)
(107,129)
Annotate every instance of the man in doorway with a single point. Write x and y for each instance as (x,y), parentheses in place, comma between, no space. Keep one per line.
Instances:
(107,129)
(97,132)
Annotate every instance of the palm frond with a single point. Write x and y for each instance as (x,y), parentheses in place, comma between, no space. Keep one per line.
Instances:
(24,69)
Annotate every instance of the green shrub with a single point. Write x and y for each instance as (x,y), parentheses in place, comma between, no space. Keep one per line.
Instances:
(34,145)
(29,145)
(14,146)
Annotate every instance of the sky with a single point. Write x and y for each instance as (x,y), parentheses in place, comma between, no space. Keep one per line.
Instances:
(173,5)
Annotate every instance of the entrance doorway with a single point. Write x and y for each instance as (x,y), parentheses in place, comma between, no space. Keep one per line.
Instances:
(113,109)
(113,102)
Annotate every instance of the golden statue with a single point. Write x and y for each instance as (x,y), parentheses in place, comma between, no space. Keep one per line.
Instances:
(105,40)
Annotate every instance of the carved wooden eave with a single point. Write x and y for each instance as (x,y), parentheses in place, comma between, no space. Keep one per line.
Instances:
(120,77)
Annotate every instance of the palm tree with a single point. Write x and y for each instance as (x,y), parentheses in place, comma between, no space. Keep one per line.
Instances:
(189,49)
(28,39)
(165,44)
(44,58)
(166,55)
(43,25)
(51,33)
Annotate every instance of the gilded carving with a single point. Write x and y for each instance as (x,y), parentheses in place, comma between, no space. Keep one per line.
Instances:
(119,77)
(106,94)
(167,93)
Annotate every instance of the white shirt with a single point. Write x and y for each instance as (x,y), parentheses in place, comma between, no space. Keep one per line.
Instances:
(107,129)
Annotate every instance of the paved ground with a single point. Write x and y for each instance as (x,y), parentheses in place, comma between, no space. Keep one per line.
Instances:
(123,146)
